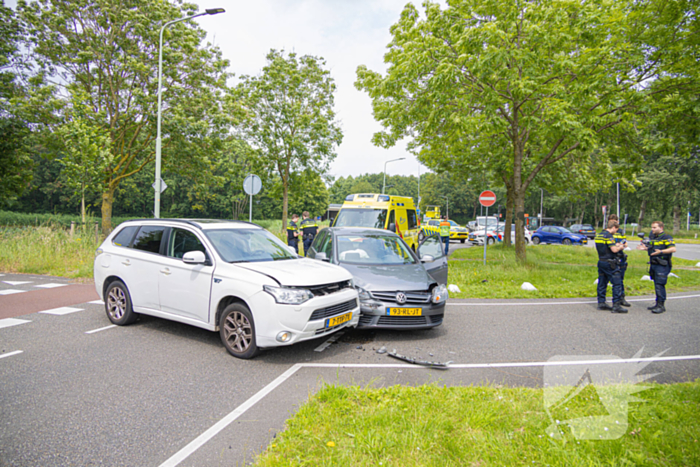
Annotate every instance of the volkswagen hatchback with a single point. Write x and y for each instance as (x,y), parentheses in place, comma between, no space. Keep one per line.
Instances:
(398,288)
(232,277)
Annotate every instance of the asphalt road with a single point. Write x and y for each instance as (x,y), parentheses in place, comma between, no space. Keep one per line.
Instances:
(76,391)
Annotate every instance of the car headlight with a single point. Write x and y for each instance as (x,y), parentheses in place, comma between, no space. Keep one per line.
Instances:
(439,294)
(364,295)
(288,296)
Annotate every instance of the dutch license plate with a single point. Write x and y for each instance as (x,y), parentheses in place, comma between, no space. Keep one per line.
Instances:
(585,241)
(404,311)
(330,322)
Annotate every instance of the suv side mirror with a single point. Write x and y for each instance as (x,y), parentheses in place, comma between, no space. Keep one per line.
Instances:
(194,257)
(321,255)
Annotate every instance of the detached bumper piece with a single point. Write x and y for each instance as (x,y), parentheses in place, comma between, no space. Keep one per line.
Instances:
(414,361)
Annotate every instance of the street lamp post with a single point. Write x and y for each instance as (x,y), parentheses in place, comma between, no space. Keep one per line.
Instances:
(384,184)
(209,11)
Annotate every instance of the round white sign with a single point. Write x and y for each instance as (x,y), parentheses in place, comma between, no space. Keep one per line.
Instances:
(252,185)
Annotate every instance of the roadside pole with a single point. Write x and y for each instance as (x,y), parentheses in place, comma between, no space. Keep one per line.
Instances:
(487,198)
(252,186)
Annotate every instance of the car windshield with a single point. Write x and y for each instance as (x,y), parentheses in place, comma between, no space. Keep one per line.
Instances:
(349,217)
(454,224)
(248,245)
(373,249)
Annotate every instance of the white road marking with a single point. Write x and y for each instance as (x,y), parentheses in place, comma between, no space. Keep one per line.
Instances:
(17,282)
(9,354)
(241,409)
(650,299)
(10,291)
(97,302)
(224,422)
(50,286)
(61,311)
(101,329)
(332,339)
(7,322)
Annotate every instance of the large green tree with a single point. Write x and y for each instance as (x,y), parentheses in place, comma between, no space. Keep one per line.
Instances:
(106,52)
(522,86)
(288,117)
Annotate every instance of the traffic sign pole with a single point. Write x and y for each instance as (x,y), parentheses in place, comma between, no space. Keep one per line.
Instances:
(486,237)
(487,198)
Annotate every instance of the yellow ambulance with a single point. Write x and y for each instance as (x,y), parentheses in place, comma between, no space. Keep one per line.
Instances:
(394,213)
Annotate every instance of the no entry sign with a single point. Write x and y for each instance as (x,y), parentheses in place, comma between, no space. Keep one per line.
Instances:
(487,198)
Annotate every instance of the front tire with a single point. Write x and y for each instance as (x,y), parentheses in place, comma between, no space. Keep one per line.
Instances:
(462,240)
(489,241)
(237,331)
(566,241)
(535,240)
(118,304)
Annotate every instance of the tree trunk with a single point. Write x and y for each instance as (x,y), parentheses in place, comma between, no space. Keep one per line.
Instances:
(285,200)
(519,205)
(107,200)
(641,213)
(676,219)
(509,214)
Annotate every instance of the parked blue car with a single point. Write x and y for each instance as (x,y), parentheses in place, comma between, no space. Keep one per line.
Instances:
(557,234)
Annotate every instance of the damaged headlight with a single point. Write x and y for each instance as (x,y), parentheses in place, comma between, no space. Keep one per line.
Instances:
(364,295)
(288,296)
(439,294)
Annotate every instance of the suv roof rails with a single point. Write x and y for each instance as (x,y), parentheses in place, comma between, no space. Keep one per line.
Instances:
(193,222)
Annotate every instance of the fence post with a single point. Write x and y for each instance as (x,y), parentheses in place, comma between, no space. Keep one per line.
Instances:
(72,228)
(97,235)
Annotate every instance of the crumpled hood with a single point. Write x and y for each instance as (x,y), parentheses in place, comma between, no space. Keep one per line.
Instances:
(299,272)
(399,277)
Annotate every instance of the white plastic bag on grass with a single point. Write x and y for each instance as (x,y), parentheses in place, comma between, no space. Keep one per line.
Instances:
(646,278)
(453,288)
(670,274)
(528,286)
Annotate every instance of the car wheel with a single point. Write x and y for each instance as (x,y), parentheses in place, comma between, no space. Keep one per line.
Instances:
(237,331)
(462,240)
(489,241)
(118,304)
(535,240)
(566,241)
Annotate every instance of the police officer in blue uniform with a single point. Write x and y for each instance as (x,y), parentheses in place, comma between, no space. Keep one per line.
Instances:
(293,233)
(609,267)
(660,249)
(621,238)
(309,228)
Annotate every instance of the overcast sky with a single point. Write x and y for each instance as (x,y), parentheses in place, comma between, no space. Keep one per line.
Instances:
(346,33)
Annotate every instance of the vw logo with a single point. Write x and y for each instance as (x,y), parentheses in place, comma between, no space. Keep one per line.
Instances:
(400,298)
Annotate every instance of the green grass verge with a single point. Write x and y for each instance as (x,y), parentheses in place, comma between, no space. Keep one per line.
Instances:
(480,426)
(557,271)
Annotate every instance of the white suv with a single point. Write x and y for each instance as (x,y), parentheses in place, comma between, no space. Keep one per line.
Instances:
(233,277)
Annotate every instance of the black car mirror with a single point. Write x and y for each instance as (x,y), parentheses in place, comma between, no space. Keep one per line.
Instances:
(392,227)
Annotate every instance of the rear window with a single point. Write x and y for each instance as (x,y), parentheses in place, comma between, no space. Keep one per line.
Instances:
(124,237)
(148,239)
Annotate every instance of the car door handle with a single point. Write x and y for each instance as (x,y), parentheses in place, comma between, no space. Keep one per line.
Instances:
(165,271)
(126,263)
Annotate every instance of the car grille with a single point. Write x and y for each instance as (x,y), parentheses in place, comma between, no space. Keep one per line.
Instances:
(411,297)
(327,289)
(370,320)
(327,330)
(327,312)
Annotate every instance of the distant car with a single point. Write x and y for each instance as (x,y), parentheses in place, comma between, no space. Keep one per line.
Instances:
(457,232)
(557,234)
(583,229)
(399,289)
(501,229)
(477,237)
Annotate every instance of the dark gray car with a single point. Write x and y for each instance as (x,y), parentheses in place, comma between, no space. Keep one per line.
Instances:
(399,289)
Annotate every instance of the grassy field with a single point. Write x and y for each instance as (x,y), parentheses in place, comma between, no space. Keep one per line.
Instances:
(482,426)
(557,271)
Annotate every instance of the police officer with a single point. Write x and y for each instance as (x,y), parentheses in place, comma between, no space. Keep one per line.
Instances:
(445,233)
(660,249)
(293,233)
(309,229)
(609,267)
(620,237)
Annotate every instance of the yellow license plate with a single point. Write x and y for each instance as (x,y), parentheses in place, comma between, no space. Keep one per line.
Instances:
(585,241)
(330,322)
(404,311)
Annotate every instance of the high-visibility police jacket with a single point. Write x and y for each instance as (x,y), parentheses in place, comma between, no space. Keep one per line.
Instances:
(603,242)
(309,226)
(620,238)
(291,230)
(661,242)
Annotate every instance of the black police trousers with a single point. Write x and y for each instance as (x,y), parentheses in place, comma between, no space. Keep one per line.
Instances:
(307,245)
(623,270)
(294,244)
(659,274)
(606,273)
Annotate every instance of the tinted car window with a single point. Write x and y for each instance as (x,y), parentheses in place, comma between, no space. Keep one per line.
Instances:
(327,246)
(412,219)
(319,240)
(432,246)
(124,237)
(148,238)
(182,241)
